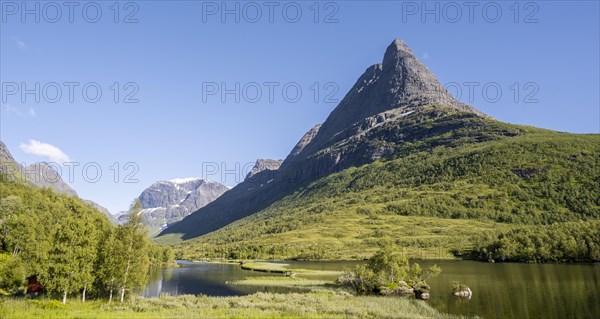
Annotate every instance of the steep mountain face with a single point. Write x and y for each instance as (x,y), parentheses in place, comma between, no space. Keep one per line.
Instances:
(304,141)
(357,130)
(264,165)
(8,166)
(102,209)
(376,119)
(399,85)
(41,175)
(166,202)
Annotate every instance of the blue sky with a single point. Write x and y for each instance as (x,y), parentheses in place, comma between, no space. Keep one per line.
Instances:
(543,56)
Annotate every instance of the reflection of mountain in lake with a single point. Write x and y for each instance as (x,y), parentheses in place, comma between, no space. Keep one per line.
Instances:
(549,291)
(203,279)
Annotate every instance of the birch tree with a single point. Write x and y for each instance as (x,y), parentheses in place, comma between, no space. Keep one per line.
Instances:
(125,262)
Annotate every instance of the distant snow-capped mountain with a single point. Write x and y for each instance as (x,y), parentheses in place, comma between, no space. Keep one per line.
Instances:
(167,202)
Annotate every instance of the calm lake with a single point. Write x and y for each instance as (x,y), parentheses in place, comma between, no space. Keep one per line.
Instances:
(499,290)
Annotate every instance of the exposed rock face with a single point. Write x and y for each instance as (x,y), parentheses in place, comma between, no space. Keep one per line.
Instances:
(264,165)
(382,96)
(381,112)
(44,175)
(305,140)
(8,165)
(166,202)
(41,175)
(401,81)
(102,209)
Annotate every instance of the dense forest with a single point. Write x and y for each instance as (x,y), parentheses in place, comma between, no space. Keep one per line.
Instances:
(67,247)
(559,242)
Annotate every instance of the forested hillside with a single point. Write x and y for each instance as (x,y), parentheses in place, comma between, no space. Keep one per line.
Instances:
(69,246)
(477,189)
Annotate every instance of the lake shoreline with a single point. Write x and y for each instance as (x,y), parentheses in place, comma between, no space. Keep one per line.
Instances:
(493,285)
(258,305)
(242,261)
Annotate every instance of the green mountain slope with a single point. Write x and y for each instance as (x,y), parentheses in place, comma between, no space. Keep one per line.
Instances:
(400,159)
(386,107)
(454,180)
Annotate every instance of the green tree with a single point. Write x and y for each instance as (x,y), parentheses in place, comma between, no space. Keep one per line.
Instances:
(12,273)
(168,256)
(9,207)
(134,243)
(88,250)
(109,263)
(125,256)
(63,259)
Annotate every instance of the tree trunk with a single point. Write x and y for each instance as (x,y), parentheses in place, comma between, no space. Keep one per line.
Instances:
(83,295)
(122,294)
(65,297)
(110,297)
(125,280)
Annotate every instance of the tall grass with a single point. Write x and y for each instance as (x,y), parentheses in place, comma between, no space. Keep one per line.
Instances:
(259,305)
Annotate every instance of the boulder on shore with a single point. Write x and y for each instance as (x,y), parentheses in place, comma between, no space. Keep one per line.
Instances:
(423,296)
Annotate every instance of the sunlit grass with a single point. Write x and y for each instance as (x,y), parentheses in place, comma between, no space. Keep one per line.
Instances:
(287,282)
(431,202)
(285,268)
(260,305)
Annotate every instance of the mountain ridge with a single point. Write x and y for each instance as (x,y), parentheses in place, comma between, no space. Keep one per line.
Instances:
(434,201)
(168,201)
(355,133)
(42,175)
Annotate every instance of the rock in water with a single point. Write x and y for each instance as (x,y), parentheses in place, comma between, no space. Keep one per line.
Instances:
(467,293)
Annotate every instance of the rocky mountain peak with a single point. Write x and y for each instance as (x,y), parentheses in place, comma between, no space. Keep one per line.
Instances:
(304,141)
(263,165)
(400,84)
(167,193)
(375,118)
(409,83)
(166,202)
(395,51)
(43,174)
(8,165)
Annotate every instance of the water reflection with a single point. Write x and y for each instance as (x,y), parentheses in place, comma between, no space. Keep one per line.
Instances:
(499,290)
(519,290)
(209,279)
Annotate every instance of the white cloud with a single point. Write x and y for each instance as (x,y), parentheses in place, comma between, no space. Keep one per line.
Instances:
(425,55)
(53,153)
(13,110)
(16,111)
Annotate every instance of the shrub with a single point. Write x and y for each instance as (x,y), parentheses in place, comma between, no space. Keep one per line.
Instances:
(386,271)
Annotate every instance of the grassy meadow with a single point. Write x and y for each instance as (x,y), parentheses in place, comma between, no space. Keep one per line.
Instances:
(259,305)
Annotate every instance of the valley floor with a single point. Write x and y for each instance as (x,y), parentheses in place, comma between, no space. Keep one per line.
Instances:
(259,305)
